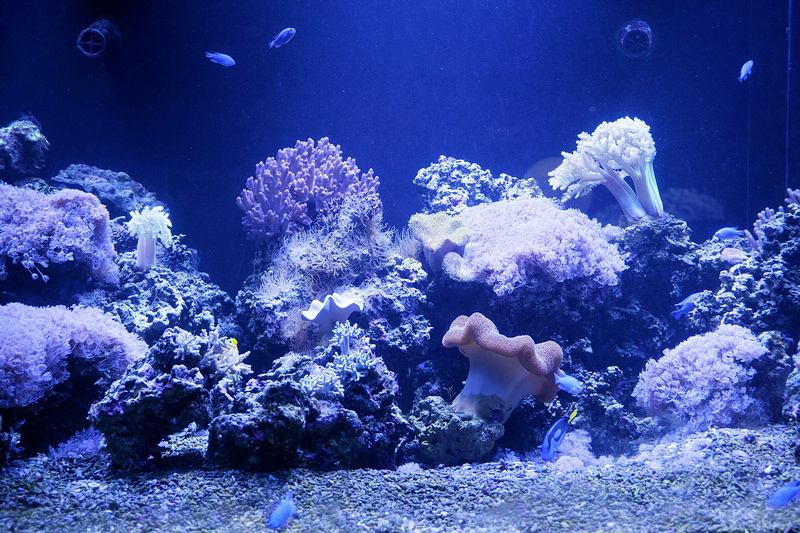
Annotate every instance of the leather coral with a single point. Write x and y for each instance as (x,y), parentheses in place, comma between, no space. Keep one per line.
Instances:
(502,370)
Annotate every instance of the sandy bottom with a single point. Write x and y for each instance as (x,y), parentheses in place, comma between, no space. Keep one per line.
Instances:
(718,480)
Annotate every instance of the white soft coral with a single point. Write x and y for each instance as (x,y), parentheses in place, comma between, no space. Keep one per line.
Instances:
(149,225)
(614,151)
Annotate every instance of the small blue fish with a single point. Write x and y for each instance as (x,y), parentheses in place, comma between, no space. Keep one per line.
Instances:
(282,38)
(282,513)
(728,233)
(684,306)
(569,384)
(221,59)
(785,494)
(747,68)
(555,435)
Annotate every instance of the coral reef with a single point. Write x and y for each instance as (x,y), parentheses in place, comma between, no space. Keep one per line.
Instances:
(450,185)
(395,307)
(120,193)
(290,190)
(445,436)
(173,294)
(164,392)
(347,251)
(612,427)
(664,266)
(300,413)
(77,250)
(766,215)
(623,325)
(602,412)
(791,410)
(22,148)
(330,392)
(762,292)
(54,362)
(68,227)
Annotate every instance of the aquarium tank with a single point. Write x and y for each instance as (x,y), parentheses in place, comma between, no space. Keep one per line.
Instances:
(443,266)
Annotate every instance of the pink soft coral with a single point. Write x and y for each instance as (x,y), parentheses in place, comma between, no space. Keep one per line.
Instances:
(531,241)
(703,380)
(68,226)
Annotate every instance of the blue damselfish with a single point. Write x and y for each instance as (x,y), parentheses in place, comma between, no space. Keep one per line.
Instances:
(282,38)
(568,384)
(785,494)
(282,513)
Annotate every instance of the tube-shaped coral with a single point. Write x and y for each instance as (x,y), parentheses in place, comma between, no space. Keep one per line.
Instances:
(149,225)
(614,151)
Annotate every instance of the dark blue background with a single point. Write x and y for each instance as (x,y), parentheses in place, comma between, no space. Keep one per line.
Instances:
(396,84)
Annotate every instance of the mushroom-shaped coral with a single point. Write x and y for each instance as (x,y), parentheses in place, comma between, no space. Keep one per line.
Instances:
(502,370)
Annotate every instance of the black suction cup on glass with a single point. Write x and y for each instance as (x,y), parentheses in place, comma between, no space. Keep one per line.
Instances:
(635,39)
(98,38)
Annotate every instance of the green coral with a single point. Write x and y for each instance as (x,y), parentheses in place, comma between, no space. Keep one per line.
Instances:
(440,235)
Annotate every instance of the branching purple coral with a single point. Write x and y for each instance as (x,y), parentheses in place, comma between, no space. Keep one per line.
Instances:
(758,229)
(792,198)
(289,190)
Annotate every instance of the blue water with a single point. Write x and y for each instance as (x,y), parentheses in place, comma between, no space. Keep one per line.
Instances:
(499,83)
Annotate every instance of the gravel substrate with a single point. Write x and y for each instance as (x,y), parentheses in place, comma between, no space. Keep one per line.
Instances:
(713,481)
